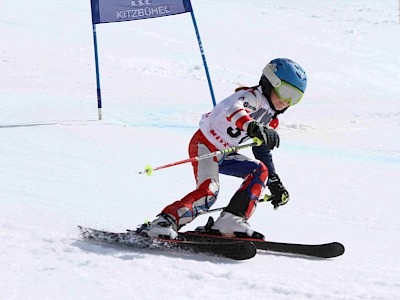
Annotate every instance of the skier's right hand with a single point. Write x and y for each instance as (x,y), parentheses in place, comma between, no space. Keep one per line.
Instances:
(265,133)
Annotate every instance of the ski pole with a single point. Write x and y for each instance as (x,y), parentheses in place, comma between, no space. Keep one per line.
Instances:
(149,170)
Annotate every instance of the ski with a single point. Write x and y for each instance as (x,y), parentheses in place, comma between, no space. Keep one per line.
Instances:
(234,249)
(328,250)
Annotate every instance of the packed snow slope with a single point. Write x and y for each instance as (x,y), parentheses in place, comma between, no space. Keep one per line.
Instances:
(60,167)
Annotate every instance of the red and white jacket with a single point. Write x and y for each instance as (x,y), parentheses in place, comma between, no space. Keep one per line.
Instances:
(226,125)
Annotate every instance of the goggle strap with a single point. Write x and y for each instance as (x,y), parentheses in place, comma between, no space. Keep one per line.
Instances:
(268,72)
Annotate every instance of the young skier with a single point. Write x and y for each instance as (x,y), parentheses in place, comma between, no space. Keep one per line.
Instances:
(248,113)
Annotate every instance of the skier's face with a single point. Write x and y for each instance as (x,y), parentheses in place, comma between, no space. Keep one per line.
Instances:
(278,103)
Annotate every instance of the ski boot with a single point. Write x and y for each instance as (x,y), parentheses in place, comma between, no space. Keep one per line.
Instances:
(229,225)
(162,227)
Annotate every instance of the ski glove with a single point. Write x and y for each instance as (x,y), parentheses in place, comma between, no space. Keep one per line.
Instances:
(264,133)
(279,195)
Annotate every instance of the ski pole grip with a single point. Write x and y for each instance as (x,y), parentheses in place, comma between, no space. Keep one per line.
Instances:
(268,198)
(258,141)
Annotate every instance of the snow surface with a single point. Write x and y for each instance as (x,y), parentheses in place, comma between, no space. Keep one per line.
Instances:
(60,167)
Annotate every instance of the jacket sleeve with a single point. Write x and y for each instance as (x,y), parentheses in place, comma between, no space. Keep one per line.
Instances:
(238,113)
(263,154)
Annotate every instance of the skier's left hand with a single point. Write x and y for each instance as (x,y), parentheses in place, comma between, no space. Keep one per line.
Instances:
(279,194)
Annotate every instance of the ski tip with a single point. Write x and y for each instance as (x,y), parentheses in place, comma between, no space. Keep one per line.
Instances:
(251,250)
(83,229)
(338,248)
(245,250)
(330,250)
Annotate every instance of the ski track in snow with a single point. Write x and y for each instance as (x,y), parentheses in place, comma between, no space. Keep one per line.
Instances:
(60,167)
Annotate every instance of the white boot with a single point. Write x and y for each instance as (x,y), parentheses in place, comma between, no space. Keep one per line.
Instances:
(161,227)
(227,224)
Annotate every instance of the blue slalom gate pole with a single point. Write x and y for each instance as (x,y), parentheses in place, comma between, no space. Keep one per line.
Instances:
(203,56)
(96,58)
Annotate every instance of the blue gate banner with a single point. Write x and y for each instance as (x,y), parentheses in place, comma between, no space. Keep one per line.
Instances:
(109,11)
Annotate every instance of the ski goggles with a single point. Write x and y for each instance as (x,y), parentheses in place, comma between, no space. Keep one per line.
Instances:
(284,90)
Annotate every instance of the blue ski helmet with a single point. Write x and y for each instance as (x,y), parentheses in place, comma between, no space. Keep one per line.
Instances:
(290,72)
